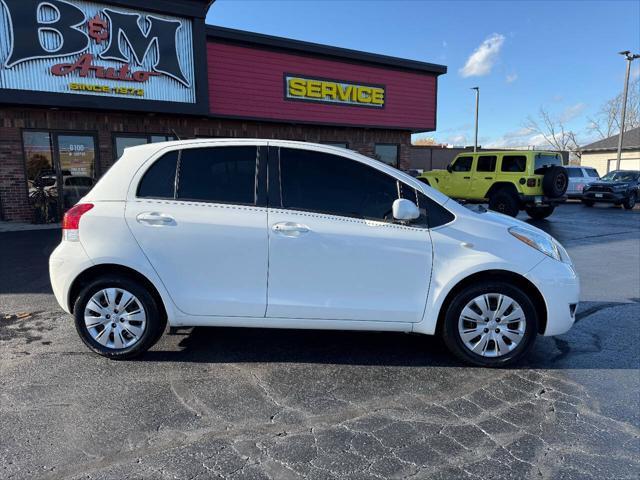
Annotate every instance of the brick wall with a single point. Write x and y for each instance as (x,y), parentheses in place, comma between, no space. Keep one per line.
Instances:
(14,204)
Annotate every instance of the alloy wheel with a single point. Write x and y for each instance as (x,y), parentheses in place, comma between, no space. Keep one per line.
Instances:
(492,325)
(115,318)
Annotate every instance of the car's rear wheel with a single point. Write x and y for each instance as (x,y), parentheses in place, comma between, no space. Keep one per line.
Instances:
(505,202)
(630,202)
(588,203)
(538,213)
(117,317)
(490,325)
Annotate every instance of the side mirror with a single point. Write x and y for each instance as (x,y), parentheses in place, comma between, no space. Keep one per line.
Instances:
(449,168)
(405,210)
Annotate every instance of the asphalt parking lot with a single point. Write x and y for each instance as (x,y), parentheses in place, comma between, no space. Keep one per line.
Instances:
(239,403)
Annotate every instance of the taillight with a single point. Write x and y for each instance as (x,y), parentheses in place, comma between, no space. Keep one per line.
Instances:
(71,221)
(531,182)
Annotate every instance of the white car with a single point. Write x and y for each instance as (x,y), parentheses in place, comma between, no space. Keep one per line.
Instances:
(282,234)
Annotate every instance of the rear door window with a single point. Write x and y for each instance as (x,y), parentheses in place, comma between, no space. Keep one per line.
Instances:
(218,174)
(574,172)
(486,163)
(159,180)
(325,183)
(462,164)
(592,172)
(514,163)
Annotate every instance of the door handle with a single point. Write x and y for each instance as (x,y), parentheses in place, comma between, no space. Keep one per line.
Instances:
(488,178)
(467,178)
(290,229)
(155,219)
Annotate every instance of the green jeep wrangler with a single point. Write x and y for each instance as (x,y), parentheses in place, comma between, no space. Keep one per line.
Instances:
(510,181)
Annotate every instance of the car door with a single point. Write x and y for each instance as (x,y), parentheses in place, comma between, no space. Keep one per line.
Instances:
(334,251)
(199,219)
(459,179)
(483,175)
(576,181)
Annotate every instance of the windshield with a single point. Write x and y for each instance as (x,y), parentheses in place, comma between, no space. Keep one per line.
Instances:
(621,176)
(546,160)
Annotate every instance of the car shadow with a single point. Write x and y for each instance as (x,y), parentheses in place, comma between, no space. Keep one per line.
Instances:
(251,345)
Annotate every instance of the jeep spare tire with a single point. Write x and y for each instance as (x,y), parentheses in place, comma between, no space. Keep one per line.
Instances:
(555,181)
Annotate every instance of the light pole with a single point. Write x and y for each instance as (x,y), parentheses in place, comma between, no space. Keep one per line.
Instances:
(630,58)
(475,143)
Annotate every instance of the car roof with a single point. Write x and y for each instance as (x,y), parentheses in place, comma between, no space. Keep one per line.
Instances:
(133,158)
(509,152)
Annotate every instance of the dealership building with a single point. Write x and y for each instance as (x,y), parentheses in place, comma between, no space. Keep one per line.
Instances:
(80,81)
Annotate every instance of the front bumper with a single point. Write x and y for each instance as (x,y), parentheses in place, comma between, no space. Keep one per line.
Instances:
(560,287)
(612,197)
(541,200)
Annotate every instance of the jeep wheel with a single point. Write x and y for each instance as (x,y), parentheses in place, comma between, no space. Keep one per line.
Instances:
(630,202)
(538,213)
(504,202)
(555,181)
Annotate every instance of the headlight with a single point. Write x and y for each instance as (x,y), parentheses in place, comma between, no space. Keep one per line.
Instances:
(543,243)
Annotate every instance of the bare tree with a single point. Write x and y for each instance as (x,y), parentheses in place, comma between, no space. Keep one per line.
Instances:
(606,123)
(553,131)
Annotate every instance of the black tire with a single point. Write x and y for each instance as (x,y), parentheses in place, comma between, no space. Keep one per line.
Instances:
(630,202)
(505,202)
(555,181)
(539,213)
(451,335)
(588,203)
(155,322)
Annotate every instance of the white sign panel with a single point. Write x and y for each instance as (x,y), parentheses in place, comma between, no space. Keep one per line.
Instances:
(86,48)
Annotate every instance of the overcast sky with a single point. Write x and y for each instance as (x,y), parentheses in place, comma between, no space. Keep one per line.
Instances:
(522,55)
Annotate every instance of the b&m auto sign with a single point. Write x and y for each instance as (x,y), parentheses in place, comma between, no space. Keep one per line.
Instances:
(86,48)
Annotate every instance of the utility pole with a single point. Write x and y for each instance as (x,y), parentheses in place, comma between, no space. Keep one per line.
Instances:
(630,58)
(475,143)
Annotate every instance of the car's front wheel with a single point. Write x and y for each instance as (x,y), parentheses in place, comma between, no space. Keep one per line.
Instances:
(490,325)
(588,203)
(630,202)
(117,317)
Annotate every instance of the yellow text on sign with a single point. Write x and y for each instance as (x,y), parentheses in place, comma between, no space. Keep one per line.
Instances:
(327,90)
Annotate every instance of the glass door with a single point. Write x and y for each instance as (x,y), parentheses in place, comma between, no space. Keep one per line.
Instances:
(41,175)
(76,156)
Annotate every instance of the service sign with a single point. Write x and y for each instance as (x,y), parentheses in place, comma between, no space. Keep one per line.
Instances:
(299,87)
(85,48)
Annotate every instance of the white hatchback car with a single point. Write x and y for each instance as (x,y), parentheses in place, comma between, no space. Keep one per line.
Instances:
(281,234)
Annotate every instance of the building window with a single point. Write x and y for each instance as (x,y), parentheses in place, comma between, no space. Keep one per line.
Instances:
(344,145)
(387,153)
(122,141)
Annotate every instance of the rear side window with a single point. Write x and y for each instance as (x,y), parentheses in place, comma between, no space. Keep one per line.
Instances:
(574,172)
(487,163)
(320,182)
(219,174)
(159,180)
(462,164)
(514,163)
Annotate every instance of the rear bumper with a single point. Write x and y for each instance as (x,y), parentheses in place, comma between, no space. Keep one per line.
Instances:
(542,200)
(611,197)
(560,287)
(66,262)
